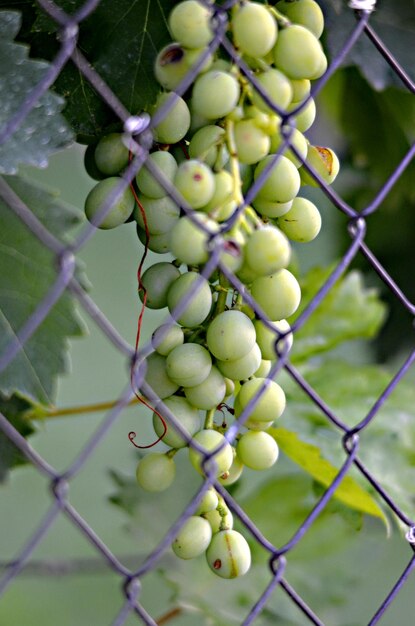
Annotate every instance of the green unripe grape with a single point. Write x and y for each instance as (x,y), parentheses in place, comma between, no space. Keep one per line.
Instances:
(209,502)
(246,274)
(304,12)
(210,440)
(189,23)
(267,251)
(199,305)
(219,521)
(257,450)
(254,29)
(225,211)
(166,337)
(215,94)
(252,143)
(230,387)
(263,370)
(283,181)
(111,155)
(195,181)
(160,244)
(242,368)
(269,208)
(174,126)
(156,376)
(297,140)
(193,538)
(170,66)
(230,335)
(278,295)
(167,166)
(188,242)
(155,472)
(266,338)
(228,554)
(208,394)
(305,118)
(324,161)
(205,144)
(235,470)
(90,165)
(161,214)
(188,365)
(156,281)
(187,415)
(301,89)
(232,254)
(277,87)
(302,222)
(297,52)
(224,189)
(270,405)
(121,208)
(321,68)
(256,425)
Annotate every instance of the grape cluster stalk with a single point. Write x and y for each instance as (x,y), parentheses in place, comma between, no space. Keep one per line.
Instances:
(212,145)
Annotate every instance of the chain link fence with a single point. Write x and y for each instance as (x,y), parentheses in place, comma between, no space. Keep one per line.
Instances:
(137,130)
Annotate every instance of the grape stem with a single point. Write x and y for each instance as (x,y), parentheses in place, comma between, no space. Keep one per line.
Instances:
(282,20)
(41,412)
(170,615)
(209,419)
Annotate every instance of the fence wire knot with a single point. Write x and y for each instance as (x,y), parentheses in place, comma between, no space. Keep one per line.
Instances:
(363,5)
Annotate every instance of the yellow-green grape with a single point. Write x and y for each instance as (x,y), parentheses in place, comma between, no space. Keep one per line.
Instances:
(222,520)
(193,538)
(195,181)
(187,415)
(268,208)
(161,214)
(252,143)
(189,23)
(278,295)
(253,424)
(263,371)
(233,474)
(297,140)
(230,387)
(156,281)
(304,119)
(206,144)
(267,250)
(215,94)
(155,472)
(200,298)
(228,554)
(111,155)
(210,440)
(209,502)
(242,368)
(170,66)
(257,450)
(147,183)
(188,242)
(188,365)
(298,52)
(121,208)
(174,126)
(270,405)
(209,393)
(283,180)
(160,244)
(156,376)
(302,222)
(277,87)
(304,12)
(301,88)
(267,338)
(324,161)
(223,194)
(230,335)
(166,337)
(254,29)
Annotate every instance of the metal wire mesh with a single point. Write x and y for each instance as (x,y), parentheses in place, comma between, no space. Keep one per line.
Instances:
(137,130)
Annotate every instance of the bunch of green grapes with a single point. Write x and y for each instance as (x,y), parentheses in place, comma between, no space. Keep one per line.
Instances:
(213,143)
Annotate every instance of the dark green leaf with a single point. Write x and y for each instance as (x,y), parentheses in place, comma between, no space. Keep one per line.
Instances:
(10,456)
(28,273)
(44,130)
(349,311)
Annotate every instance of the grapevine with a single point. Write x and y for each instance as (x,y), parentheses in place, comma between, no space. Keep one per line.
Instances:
(226,132)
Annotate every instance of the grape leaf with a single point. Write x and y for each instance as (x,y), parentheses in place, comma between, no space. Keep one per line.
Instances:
(348,311)
(28,273)
(44,130)
(309,458)
(10,456)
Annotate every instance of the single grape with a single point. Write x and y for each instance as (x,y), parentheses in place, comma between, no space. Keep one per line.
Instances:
(230,335)
(121,208)
(254,424)
(228,554)
(156,376)
(188,365)
(195,181)
(324,161)
(301,89)
(166,337)
(297,52)
(156,281)
(161,214)
(254,29)
(230,387)
(206,143)
(90,165)
(277,87)
(263,370)
(223,194)
(270,405)
(209,502)
(242,368)
(267,251)
(166,166)
(304,12)
(302,222)
(111,155)
(155,472)
(278,295)
(252,143)
(257,450)
(231,476)
(283,180)
(297,140)
(160,244)
(304,119)
(215,94)
(199,300)
(218,521)
(193,538)
(189,23)
(267,338)
(187,415)
(188,242)
(210,440)
(170,66)
(208,394)
(175,124)
(268,208)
